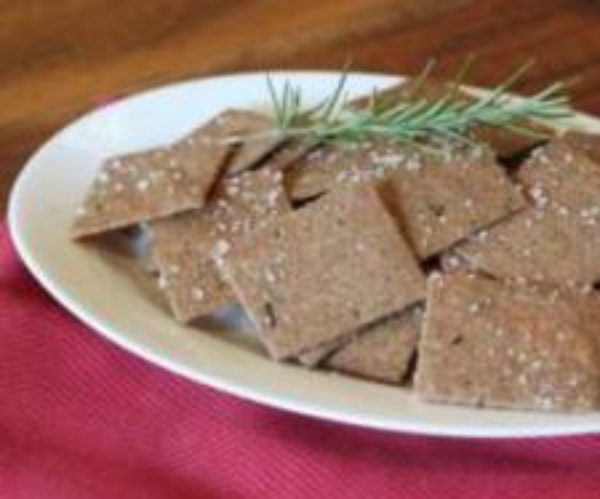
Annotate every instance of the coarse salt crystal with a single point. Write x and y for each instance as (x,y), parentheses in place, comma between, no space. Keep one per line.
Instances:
(197,294)
(539,197)
(435,277)
(232,190)
(536,365)
(222,247)
(482,236)
(474,308)
(142,185)
(270,276)
(272,198)
(103,177)
(413,164)
(453,262)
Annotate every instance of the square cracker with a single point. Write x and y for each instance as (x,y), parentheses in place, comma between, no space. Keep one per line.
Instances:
(444,201)
(140,187)
(335,164)
(382,351)
(311,276)
(182,244)
(557,239)
(485,343)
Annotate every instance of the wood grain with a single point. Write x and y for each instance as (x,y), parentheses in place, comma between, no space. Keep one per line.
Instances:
(64,57)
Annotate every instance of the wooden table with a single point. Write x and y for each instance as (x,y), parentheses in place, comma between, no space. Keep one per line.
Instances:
(63,57)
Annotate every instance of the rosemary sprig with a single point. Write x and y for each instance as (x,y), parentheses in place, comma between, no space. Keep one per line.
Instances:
(419,119)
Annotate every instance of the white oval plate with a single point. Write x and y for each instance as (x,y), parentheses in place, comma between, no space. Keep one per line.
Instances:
(42,204)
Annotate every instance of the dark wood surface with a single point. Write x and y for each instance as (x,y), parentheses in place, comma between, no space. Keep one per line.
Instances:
(62,57)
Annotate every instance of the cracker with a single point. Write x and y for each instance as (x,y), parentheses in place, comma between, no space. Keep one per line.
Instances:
(451,261)
(143,186)
(182,244)
(314,275)
(337,164)
(485,343)
(557,240)
(442,202)
(383,351)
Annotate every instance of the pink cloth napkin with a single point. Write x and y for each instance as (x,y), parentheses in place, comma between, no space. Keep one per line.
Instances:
(81,418)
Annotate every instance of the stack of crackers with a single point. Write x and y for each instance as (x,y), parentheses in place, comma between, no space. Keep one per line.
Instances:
(470,282)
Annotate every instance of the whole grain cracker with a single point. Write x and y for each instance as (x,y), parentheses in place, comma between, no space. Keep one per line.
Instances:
(490,344)
(556,240)
(382,351)
(140,187)
(314,275)
(347,163)
(446,200)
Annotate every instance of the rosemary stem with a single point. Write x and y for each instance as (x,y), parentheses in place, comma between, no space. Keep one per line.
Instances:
(415,119)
